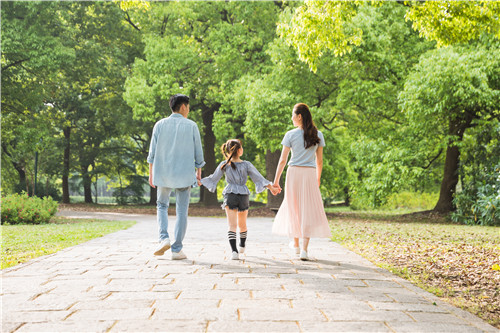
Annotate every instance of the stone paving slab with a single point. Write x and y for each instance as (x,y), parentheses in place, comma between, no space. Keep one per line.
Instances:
(116,284)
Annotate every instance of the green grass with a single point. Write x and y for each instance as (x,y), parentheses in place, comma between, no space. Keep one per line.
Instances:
(21,243)
(374,212)
(454,262)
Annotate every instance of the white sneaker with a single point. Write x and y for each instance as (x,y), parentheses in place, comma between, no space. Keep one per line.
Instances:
(235,256)
(292,246)
(242,249)
(164,246)
(178,255)
(303,255)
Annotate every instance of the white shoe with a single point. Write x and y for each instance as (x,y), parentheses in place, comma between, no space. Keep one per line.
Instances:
(164,246)
(178,255)
(235,256)
(303,255)
(242,249)
(292,246)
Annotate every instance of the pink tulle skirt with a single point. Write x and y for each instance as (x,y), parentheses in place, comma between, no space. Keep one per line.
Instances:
(302,213)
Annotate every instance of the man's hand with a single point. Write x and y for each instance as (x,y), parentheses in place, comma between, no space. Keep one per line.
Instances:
(151,181)
(198,175)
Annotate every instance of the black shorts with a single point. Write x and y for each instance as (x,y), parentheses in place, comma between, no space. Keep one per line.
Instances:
(241,202)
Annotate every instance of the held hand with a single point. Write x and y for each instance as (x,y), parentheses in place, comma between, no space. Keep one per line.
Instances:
(275,189)
(198,175)
(199,183)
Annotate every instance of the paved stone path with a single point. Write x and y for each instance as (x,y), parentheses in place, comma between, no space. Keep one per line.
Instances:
(115,284)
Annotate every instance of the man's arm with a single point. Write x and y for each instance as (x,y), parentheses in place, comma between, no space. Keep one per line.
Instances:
(151,175)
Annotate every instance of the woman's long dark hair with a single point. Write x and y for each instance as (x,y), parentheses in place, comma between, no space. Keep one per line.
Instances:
(311,137)
(229,150)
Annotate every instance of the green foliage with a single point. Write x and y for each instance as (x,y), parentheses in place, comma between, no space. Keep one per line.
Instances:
(133,193)
(449,84)
(268,114)
(478,202)
(317,27)
(453,22)
(412,200)
(22,209)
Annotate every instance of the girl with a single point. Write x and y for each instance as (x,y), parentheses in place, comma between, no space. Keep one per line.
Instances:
(236,193)
(301,214)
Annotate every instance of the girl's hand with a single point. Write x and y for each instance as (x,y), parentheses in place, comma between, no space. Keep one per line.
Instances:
(277,189)
(272,188)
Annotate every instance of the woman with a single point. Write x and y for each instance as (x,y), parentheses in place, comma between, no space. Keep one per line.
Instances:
(302,214)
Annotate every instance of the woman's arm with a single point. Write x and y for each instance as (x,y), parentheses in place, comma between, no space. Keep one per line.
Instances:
(319,163)
(281,165)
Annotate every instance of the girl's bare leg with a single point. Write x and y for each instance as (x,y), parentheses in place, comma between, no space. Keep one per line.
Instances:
(296,242)
(242,220)
(232,219)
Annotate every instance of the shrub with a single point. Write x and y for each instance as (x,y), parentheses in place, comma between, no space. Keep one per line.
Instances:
(132,193)
(478,202)
(22,209)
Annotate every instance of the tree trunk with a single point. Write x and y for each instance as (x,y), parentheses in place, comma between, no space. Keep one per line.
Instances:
(347,196)
(272,159)
(451,164)
(87,184)
(449,182)
(22,185)
(22,176)
(208,198)
(65,176)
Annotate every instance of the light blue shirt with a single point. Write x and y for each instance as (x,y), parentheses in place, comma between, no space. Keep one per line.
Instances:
(175,152)
(300,155)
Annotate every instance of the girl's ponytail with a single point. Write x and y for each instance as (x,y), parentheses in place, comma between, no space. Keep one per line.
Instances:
(229,150)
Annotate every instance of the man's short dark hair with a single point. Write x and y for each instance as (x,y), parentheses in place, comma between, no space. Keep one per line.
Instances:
(177,101)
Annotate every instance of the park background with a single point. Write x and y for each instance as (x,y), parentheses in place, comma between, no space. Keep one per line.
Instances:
(406,93)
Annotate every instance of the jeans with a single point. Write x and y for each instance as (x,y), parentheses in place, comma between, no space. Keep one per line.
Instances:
(181,208)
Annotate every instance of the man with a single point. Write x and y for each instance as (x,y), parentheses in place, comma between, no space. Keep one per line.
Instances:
(174,154)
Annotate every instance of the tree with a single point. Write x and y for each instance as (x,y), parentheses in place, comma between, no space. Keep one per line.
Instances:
(31,54)
(199,49)
(354,98)
(447,91)
(436,20)
(321,26)
(88,91)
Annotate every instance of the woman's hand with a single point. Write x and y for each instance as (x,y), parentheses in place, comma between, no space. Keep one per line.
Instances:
(274,190)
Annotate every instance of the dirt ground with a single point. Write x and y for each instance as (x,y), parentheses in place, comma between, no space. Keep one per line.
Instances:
(195,209)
